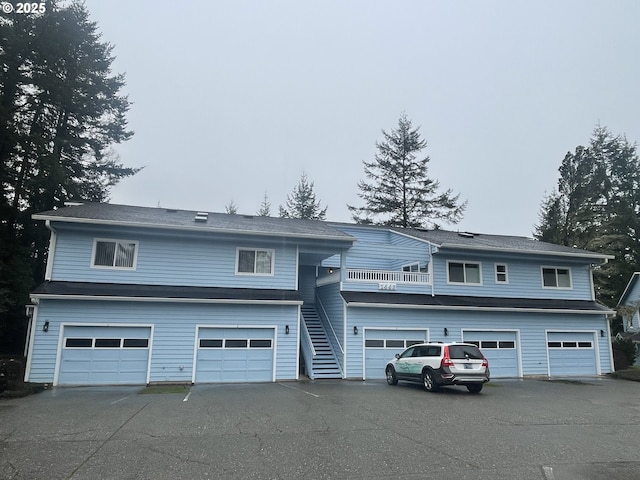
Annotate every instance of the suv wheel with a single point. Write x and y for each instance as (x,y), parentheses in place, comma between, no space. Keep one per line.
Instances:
(475,387)
(429,381)
(391,376)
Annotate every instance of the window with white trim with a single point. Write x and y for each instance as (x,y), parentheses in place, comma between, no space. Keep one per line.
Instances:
(502,275)
(120,254)
(412,267)
(252,261)
(464,272)
(554,277)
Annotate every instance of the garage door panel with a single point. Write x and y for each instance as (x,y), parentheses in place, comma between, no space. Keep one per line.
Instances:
(381,345)
(500,349)
(235,355)
(85,361)
(571,353)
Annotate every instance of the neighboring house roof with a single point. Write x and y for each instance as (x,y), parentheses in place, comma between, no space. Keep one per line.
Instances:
(474,303)
(126,215)
(633,336)
(131,292)
(629,288)
(502,243)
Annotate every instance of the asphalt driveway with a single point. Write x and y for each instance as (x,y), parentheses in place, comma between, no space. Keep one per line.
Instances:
(531,429)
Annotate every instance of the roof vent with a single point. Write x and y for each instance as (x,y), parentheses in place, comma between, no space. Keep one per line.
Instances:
(201,217)
(467,234)
(73,204)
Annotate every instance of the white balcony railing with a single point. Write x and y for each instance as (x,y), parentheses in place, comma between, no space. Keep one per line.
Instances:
(387,276)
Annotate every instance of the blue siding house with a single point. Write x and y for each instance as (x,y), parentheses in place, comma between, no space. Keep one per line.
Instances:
(137,295)
(631,321)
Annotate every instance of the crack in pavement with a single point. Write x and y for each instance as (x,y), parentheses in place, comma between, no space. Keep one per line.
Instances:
(75,470)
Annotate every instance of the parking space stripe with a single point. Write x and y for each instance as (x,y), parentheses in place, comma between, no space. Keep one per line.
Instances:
(299,389)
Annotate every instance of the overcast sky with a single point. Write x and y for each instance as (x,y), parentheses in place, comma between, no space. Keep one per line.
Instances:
(235,99)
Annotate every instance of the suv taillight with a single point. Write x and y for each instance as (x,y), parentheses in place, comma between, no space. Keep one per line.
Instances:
(446,360)
(485,362)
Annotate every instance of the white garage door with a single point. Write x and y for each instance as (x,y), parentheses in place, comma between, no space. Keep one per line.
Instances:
(99,355)
(571,353)
(235,355)
(500,348)
(380,346)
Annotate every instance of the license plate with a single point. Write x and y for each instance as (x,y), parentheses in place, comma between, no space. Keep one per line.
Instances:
(468,366)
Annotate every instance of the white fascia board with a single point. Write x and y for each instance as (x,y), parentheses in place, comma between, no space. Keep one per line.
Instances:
(231,301)
(413,237)
(633,279)
(480,309)
(118,223)
(600,256)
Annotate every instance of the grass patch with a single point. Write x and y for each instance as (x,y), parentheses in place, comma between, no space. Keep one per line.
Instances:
(12,384)
(154,389)
(23,390)
(632,374)
(494,385)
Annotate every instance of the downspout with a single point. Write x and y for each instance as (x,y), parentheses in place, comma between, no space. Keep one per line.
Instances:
(433,291)
(345,321)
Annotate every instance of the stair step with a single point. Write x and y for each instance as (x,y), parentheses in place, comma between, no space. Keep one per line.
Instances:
(324,363)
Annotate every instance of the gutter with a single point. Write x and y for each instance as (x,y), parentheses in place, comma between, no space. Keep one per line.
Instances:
(45,296)
(600,256)
(479,309)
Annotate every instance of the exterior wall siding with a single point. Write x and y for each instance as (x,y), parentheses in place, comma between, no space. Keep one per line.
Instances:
(378,248)
(174,333)
(307,283)
(524,277)
(171,260)
(531,326)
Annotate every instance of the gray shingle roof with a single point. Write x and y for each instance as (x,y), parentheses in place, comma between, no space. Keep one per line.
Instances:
(464,302)
(176,292)
(482,241)
(106,213)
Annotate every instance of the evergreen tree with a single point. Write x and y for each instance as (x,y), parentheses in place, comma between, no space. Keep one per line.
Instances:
(399,191)
(597,207)
(302,202)
(231,208)
(60,112)
(265,207)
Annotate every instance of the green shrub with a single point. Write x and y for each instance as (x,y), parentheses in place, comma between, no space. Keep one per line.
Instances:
(624,353)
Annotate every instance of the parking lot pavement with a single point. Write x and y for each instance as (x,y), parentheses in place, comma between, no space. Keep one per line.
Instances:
(531,429)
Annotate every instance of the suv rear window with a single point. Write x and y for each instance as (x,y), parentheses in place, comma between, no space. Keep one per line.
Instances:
(465,351)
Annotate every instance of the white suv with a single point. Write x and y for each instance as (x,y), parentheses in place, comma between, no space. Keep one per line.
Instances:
(436,364)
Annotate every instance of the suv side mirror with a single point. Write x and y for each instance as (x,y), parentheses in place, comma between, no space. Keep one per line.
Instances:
(397,355)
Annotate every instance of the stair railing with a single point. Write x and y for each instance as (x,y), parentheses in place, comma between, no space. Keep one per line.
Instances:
(333,337)
(333,332)
(308,352)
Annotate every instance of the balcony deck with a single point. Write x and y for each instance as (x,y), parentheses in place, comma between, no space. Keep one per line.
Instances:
(387,276)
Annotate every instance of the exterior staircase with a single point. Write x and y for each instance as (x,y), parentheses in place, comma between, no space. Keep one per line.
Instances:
(324,363)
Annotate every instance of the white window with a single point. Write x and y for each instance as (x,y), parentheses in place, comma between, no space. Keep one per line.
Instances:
(252,261)
(502,275)
(464,272)
(554,277)
(412,267)
(119,254)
